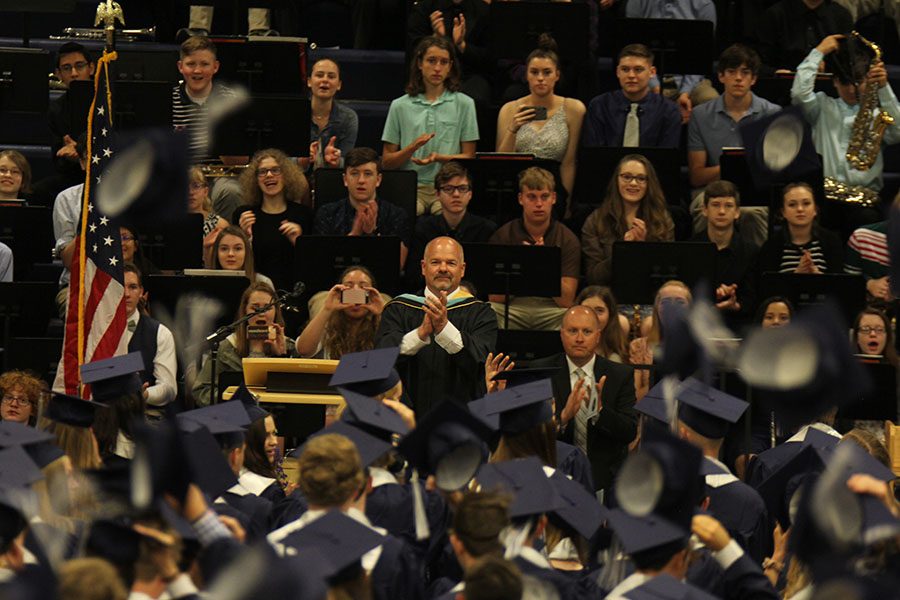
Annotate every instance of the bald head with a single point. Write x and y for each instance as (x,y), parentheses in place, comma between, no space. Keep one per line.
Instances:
(580,334)
(443,265)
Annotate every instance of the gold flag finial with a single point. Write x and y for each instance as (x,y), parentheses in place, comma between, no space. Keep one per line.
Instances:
(108,13)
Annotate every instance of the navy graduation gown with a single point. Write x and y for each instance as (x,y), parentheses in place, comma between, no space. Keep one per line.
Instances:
(574,463)
(398,574)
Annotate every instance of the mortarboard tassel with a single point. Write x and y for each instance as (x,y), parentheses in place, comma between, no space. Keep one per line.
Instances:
(421,521)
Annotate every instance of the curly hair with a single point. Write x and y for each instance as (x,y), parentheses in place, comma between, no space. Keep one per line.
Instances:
(612,340)
(330,470)
(343,335)
(652,209)
(249,269)
(416,83)
(32,386)
(296,187)
(242,347)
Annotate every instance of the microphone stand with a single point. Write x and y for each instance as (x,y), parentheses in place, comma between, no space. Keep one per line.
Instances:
(216,337)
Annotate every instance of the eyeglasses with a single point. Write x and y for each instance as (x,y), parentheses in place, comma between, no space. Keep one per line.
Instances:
(866,330)
(18,400)
(276,171)
(81,65)
(449,189)
(198,186)
(8,171)
(628,178)
(127,238)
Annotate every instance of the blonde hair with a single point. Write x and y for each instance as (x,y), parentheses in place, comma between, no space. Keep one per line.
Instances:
(90,579)
(330,469)
(536,178)
(195,175)
(78,443)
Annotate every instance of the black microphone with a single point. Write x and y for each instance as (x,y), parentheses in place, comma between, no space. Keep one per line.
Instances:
(299,288)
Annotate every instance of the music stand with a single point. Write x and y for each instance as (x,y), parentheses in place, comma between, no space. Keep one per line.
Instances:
(734,168)
(597,165)
(266,122)
(679,45)
(397,187)
(525,345)
(295,391)
(514,270)
(136,104)
(146,65)
(38,354)
(26,308)
(264,66)
(320,259)
(881,403)
(514,28)
(640,268)
(175,246)
(29,232)
(35,6)
(495,183)
(24,92)
(164,291)
(803,290)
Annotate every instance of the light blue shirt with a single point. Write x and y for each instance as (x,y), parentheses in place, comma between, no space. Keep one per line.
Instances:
(6,263)
(832,120)
(689,10)
(451,118)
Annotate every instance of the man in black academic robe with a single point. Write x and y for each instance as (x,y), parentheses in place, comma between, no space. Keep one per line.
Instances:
(444,336)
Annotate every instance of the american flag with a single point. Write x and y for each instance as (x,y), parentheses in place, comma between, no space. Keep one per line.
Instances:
(95,321)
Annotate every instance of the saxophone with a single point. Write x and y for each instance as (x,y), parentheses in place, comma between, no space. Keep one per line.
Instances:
(868,129)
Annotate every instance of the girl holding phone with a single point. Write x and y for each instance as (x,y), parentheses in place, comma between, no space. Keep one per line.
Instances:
(543,123)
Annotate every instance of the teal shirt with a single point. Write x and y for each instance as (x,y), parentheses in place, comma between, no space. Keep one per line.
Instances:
(451,118)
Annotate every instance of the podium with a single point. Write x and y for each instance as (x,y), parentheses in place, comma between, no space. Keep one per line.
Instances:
(295,391)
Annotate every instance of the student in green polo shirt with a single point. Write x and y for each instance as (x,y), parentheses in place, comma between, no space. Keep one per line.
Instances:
(433,123)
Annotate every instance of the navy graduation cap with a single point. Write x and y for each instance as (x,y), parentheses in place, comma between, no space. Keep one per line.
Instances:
(708,411)
(448,443)
(17,469)
(525,479)
(16,434)
(251,405)
(644,534)
(779,148)
(370,448)
(371,415)
(341,540)
(147,179)
(72,410)
(517,409)
(665,587)
(113,377)
(225,417)
(663,477)
(369,373)
(579,509)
